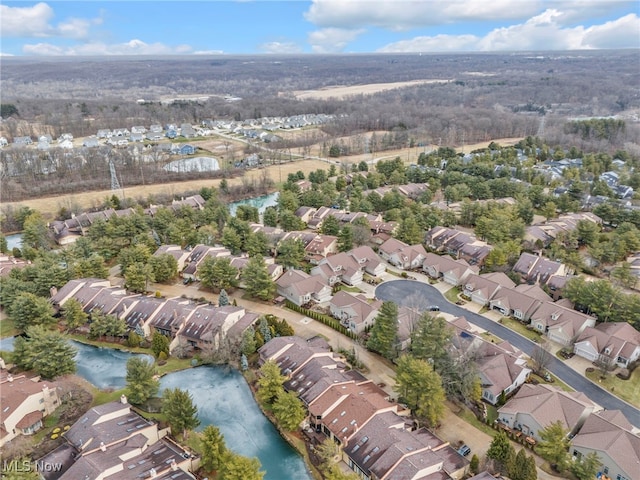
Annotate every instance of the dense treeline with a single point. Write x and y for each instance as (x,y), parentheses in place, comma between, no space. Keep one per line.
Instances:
(482,96)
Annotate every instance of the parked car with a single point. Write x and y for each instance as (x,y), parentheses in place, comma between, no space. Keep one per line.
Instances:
(464,450)
(433,308)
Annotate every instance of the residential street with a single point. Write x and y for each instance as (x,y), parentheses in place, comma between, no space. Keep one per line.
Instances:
(453,428)
(402,291)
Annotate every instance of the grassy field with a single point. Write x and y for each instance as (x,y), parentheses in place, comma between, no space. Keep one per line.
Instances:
(628,390)
(452,294)
(516,326)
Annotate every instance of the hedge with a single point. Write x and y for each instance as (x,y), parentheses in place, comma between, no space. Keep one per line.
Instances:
(326,319)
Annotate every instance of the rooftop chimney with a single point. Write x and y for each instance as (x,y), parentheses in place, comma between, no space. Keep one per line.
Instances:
(102,447)
(123,399)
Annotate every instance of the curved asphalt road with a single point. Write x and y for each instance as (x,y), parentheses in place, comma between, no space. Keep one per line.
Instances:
(418,294)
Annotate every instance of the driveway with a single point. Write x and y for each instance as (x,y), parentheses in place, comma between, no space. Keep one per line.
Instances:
(418,294)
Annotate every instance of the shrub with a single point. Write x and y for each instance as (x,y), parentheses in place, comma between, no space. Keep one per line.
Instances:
(162,357)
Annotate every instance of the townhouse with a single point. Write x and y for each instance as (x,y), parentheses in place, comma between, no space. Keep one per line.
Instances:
(562,325)
(341,267)
(189,325)
(25,402)
(355,312)
(482,288)
(535,407)
(301,288)
(537,269)
(377,437)
(112,442)
(501,367)
(453,272)
(614,440)
(609,343)
(401,255)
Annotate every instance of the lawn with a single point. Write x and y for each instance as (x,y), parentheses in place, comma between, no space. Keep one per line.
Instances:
(518,327)
(452,294)
(173,365)
(99,343)
(490,337)
(628,390)
(348,288)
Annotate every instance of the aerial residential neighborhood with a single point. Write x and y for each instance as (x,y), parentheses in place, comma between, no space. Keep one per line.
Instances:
(320,240)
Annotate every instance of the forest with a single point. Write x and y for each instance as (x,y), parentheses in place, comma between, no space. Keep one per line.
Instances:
(482,96)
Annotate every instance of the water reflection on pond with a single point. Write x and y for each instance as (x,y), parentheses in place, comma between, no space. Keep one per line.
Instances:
(224,399)
(103,367)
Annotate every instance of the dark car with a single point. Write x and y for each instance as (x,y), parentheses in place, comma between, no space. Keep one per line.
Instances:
(464,450)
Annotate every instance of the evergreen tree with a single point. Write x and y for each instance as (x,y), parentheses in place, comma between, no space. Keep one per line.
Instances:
(474,465)
(218,273)
(289,410)
(554,445)
(137,277)
(330,226)
(159,344)
(248,342)
(28,310)
(231,240)
(345,239)
(265,329)
(409,231)
(164,267)
(501,452)
(244,363)
(74,315)
(35,233)
(141,381)
(384,333)
(45,352)
(181,413)
(290,253)
(223,299)
(586,468)
(270,382)
(213,448)
(257,244)
(420,387)
(258,282)
(106,325)
(237,467)
(430,339)
(270,217)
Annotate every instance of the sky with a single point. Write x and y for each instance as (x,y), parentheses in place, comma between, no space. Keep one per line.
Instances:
(161,27)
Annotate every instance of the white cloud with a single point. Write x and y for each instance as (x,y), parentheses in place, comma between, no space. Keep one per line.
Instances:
(208,52)
(438,43)
(280,47)
(621,33)
(573,11)
(25,21)
(407,14)
(541,32)
(332,40)
(35,22)
(132,47)
(2,54)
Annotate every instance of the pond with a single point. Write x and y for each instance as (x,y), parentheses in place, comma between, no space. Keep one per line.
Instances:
(225,400)
(14,241)
(104,367)
(222,396)
(261,203)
